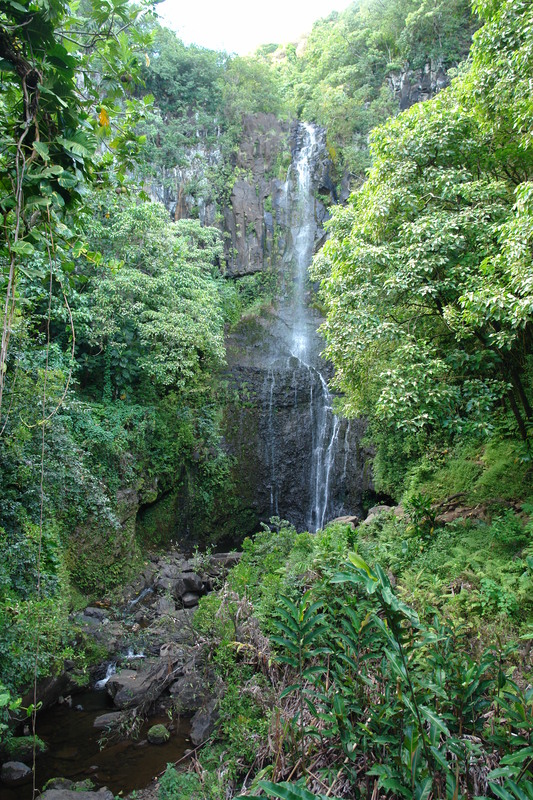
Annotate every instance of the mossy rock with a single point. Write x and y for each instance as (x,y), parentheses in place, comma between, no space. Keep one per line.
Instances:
(158,734)
(58,783)
(20,748)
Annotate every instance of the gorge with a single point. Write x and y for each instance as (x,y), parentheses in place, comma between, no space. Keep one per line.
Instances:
(266,406)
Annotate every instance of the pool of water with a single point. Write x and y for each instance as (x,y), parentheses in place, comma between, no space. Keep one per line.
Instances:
(75,749)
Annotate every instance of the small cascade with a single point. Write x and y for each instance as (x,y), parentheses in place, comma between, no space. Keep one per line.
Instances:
(110,671)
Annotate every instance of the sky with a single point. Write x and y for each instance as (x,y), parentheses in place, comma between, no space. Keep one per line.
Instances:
(240,26)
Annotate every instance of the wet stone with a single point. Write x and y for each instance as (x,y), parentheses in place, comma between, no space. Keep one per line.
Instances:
(190,599)
(15,772)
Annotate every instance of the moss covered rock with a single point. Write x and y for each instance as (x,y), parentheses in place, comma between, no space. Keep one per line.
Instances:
(158,734)
(20,748)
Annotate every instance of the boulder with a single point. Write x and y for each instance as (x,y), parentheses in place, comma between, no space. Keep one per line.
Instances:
(97,613)
(190,599)
(353,521)
(166,584)
(203,723)
(165,605)
(141,689)
(109,720)
(177,629)
(376,511)
(192,582)
(125,686)
(190,692)
(15,772)
(158,734)
(226,560)
(59,783)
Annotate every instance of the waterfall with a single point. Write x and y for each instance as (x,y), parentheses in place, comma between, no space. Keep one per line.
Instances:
(294,458)
(303,340)
(271,443)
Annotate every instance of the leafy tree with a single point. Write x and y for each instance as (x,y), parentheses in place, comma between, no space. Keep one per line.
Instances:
(158,315)
(62,75)
(339,75)
(427,274)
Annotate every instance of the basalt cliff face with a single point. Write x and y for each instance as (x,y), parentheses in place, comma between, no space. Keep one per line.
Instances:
(412,86)
(292,456)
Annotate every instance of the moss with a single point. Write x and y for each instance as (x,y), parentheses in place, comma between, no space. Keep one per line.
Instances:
(489,471)
(101,557)
(158,524)
(20,748)
(158,734)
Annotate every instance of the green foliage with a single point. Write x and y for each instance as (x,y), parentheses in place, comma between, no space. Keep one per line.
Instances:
(21,748)
(393,682)
(339,76)
(243,723)
(174,785)
(159,315)
(8,703)
(427,320)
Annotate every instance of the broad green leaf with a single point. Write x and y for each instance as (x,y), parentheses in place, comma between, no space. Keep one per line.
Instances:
(360,563)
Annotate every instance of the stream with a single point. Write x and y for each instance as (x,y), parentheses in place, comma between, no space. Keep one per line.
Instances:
(75,751)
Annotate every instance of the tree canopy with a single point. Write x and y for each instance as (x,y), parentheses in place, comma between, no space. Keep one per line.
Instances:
(426,278)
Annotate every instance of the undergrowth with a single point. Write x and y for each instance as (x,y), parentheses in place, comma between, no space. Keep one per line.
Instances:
(406,679)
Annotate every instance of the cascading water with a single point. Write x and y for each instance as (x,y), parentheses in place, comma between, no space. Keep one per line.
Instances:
(303,342)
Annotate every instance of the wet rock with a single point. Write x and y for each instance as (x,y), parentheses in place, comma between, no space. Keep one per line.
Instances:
(109,720)
(124,686)
(203,723)
(174,652)
(97,613)
(112,636)
(158,734)
(167,584)
(190,692)
(170,571)
(15,772)
(165,605)
(227,560)
(192,582)
(177,629)
(190,599)
(49,690)
(130,689)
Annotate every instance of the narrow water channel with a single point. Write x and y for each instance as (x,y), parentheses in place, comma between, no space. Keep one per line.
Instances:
(75,751)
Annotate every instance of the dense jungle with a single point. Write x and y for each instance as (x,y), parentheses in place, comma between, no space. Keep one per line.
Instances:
(266,406)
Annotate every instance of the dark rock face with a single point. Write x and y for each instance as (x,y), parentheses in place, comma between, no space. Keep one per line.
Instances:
(414,86)
(203,723)
(280,418)
(294,459)
(250,223)
(272,439)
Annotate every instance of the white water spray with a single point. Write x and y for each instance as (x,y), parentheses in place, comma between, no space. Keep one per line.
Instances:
(325,425)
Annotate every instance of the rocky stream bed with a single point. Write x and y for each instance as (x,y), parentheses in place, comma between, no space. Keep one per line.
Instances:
(151,701)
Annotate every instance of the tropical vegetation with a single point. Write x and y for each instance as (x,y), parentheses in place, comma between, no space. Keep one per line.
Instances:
(387,660)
